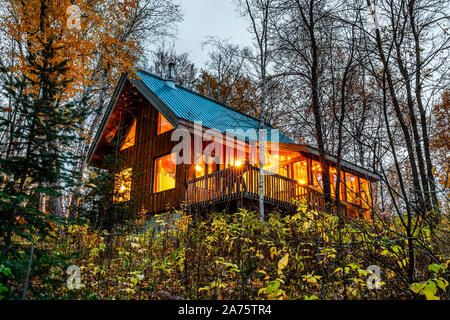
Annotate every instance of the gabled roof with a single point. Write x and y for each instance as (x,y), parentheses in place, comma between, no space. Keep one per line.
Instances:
(176,102)
(193,107)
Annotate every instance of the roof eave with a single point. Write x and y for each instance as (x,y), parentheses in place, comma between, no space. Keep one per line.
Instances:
(147,93)
(111,105)
(345,164)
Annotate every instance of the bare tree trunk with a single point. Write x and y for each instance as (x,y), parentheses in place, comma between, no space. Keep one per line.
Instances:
(42,202)
(260,26)
(423,120)
(403,125)
(310,21)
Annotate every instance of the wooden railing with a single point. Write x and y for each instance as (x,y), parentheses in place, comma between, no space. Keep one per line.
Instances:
(242,181)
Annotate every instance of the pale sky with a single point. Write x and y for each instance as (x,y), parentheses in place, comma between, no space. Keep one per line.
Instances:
(204,18)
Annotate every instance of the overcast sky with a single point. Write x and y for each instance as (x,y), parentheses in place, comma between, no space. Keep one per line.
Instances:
(204,18)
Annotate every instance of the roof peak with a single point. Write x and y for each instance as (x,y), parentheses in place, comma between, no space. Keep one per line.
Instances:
(205,97)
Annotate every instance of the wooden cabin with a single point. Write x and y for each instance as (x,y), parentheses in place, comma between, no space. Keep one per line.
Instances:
(142,119)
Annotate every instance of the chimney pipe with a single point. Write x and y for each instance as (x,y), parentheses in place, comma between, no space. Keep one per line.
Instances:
(171,79)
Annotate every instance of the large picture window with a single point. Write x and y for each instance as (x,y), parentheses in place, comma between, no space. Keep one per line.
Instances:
(165,171)
(351,182)
(317,174)
(301,172)
(333,181)
(122,185)
(366,198)
(163,124)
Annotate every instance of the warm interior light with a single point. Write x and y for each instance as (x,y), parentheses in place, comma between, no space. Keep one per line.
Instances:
(198,168)
(165,173)
(237,163)
(130,139)
(163,124)
(122,185)
(302,181)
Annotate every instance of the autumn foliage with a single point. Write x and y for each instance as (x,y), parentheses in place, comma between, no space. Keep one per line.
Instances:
(235,256)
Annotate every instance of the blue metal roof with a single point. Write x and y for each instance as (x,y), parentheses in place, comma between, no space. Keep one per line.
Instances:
(194,107)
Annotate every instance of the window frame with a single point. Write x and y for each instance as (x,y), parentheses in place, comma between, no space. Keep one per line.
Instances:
(357,194)
(155,175)
(158,124)
(133,124)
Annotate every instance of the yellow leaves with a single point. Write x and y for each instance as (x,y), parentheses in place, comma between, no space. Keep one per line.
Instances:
(273,290)
(312,297)
(266,276)
(231,245)
(296,216)
(429,288)
(352,291)
(283,263)
(402,263)
(307,225)
(273,252)
(215,284)
(311,279)
(259,255)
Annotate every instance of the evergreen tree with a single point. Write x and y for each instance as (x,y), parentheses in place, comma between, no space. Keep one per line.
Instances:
(40,128)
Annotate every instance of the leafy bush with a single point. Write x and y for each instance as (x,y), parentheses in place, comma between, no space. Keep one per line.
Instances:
(235,256)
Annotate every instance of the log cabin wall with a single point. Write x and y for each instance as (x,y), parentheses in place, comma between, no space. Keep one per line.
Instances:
(141,157)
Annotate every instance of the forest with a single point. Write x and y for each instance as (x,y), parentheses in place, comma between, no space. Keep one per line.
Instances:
(367,81)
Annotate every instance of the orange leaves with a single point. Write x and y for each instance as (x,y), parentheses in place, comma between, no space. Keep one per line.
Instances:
(34,24)
(20,221)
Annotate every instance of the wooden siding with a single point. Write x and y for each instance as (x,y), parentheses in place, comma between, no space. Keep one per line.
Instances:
(229,184)
(149,146)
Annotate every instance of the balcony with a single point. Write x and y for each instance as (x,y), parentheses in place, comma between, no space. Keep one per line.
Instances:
(236,183)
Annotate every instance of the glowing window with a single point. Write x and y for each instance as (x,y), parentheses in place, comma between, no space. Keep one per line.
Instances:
(165,171)
(122,185)
(365,194)
(301,172)
(351,182)
(199,170)
(317,174)
(163,124)
(130,139)
(271,161)
(283,171)
(333,178)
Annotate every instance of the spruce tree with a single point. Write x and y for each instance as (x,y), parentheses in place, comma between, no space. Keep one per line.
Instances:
(40,127)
